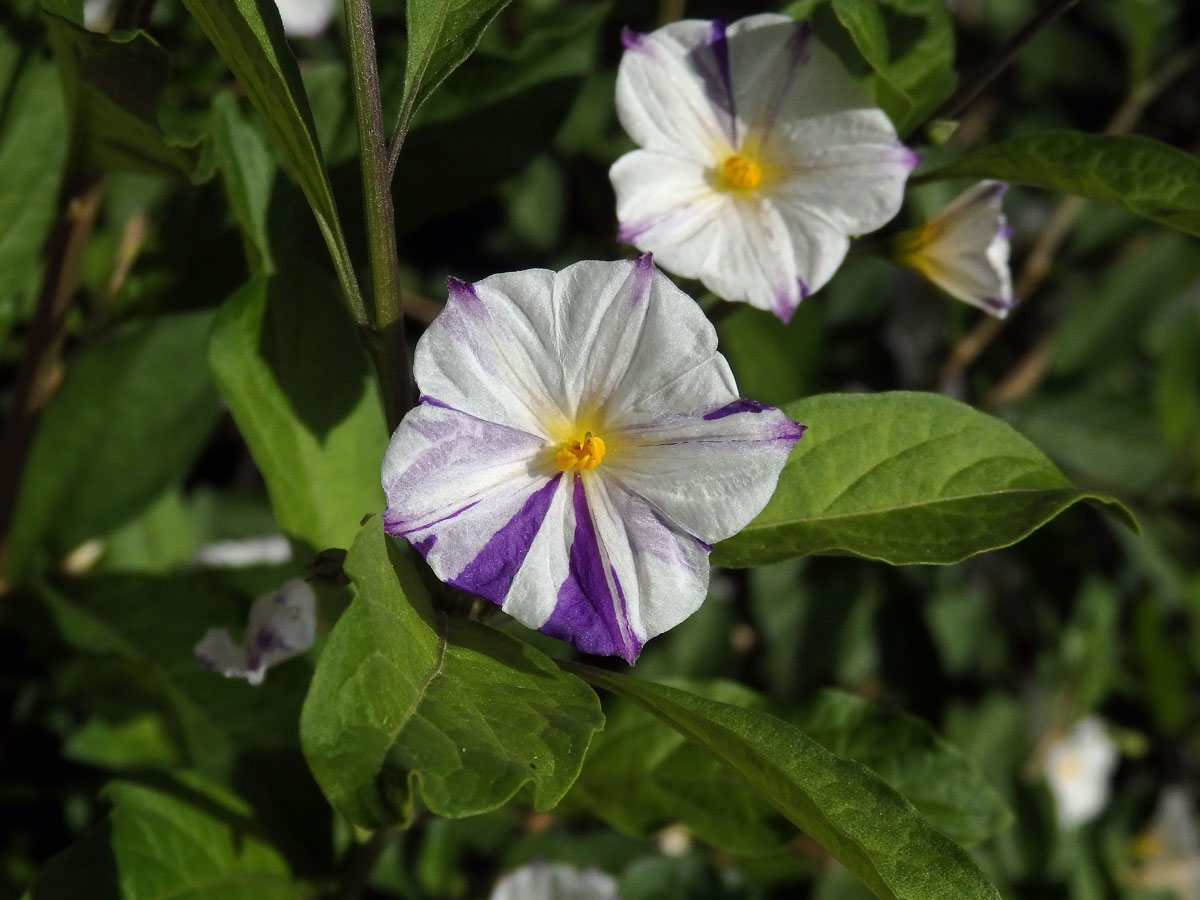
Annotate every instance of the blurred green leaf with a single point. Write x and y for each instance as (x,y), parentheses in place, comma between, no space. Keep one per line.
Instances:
(1139,174)
(112,85)
(253,45)
(181,838)
(862,822)
(34,117)
(903,477)
(1177,384)
(406,701)
(640,776)
(303,395)
(902,750)
(441,35)
(773,363)
(142,388)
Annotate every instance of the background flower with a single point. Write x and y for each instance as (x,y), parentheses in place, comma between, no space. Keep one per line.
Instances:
(759,157)
(964,249)
(1079,768)
(555,881)
(579,446)
(282,625)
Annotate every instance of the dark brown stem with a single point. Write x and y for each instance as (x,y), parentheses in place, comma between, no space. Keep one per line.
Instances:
(975,83)
(39,372)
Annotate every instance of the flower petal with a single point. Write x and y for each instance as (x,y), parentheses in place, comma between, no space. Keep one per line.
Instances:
(485,353)
(967,253)
(306,18)
(664,202)
(282,625)
(554,881)
(711,473)
(633,573)
(673,93)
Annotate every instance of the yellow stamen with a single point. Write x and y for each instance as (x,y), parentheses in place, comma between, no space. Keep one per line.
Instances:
(740,173)
(583,455)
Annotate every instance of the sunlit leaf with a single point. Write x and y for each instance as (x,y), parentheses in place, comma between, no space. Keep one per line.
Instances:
(905,478)
(407,701)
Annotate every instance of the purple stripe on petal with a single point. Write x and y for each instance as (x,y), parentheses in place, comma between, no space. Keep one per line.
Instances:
(425,544)
(790,431)
(643,268)
(434,401)
(908,157)
(720,47)
(805,293)
(997,303)
(393,524)
(630,39)
(490,574)
(1004,231)
(797,53)
(587,614)
(741,405)
(464,293)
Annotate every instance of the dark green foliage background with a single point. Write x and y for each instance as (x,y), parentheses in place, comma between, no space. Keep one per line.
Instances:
(214,389)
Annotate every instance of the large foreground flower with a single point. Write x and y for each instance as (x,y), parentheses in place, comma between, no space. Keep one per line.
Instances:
(964,249)
(578,447)
(759,157)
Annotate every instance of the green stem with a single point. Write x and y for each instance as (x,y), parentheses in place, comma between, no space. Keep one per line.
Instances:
(386,339)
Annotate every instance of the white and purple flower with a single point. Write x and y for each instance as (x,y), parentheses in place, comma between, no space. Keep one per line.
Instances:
(759,157)
(964,249)
(578,447)
(555,881)
(282,625)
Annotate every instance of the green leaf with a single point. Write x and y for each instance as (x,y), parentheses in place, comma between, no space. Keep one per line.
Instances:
(640,776)
(248,171)
(254,47)
(902,750)
(1139,174)
(303,395)
(34,117)
(904,477)
(908,45)
(868,827)
(406,701)
(441,35)
(112,85)
(145,386)
(773,363)
(171,839)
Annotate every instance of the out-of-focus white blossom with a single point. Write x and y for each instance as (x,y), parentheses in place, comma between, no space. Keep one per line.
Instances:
(282,625)
(301,18)
(555,881)
(271,549)
(1079,767)
(964,249)
(1169,850)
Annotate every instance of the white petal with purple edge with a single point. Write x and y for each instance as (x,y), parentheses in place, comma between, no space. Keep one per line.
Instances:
(282,625)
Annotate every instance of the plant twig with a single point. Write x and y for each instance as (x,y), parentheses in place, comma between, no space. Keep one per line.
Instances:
(986,73)
(357,865)
(386,340)
(1028,372)
(40,368)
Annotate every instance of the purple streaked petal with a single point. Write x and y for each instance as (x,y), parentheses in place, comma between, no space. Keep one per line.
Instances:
(591,611)
(491,573)
(724,88)
(740,405)
(643,269)
(632,40)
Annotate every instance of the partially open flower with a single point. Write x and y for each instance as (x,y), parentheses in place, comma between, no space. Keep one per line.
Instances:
(282,625)
(306,18)
(1079,768)
(759,157)
(578,447)
(964,249)
(554,881)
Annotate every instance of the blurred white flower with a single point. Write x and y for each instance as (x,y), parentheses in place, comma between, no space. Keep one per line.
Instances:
(759,157)
(1079,767)
(1169,849)
(301,18)
(271,549)
(964,249)
(306,18)
(555,881)
(282,625)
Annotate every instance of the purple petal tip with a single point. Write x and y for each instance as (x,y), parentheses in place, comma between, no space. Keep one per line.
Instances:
(630,39)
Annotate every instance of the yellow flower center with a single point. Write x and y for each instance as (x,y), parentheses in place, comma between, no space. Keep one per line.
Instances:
(740,172)
(583,455)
